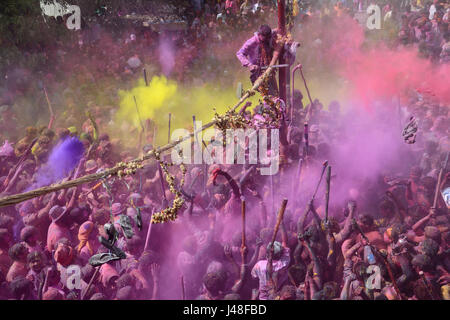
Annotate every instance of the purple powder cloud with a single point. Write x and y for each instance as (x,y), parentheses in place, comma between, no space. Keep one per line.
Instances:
(62,160)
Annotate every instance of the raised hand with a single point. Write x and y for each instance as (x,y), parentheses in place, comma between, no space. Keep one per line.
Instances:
(258,241)
(243,250)
(227,251)
(154,268)
(351,205)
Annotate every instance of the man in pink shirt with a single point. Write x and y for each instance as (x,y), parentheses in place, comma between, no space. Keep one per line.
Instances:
(280,262)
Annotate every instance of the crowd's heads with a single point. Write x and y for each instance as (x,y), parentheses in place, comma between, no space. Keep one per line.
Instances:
(36,261)
(264,33)
(214,282)
(18,252)
(422,262)
(429,247)
(22,289)
(53,294)
(366,222)
(277,250)
(117,209)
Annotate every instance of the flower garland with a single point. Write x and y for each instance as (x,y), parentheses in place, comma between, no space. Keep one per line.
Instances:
(170,213)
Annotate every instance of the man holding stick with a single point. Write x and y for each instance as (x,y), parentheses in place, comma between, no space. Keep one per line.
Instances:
(276,264)
(259,51)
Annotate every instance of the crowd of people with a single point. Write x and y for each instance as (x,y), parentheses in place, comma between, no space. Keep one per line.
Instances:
(387,240)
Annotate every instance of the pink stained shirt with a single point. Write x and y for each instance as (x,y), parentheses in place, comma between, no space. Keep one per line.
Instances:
(56,233)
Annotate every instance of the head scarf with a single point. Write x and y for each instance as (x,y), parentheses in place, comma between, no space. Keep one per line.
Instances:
(83,236)
(277,248)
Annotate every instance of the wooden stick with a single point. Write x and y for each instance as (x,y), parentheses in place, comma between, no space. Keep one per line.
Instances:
(279,219)
(306,87)
(52,115)
(168,133)
(427,285)
(327,192)
(17,198)
(93,188)
(97,269)
(437,190)
(272,196)
(183,293)
(147,239)
(306,137)
(139,115)
(145,77)
(243,222)
(21,160)
(325,164)
(274,235)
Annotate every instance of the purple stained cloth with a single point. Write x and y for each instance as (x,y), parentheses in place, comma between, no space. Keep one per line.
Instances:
(249,53)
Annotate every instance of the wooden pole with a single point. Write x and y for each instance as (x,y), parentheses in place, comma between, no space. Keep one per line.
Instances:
(279,219)
(168,133)
(183,292)
(282,31)
(147,239)
(327,192)
(52,115)
(325,164)
(437,191)
(97,269)
(145,77)
(137,111)
(274,235)
(243,222)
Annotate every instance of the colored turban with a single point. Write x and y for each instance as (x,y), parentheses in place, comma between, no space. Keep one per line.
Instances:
(83,236)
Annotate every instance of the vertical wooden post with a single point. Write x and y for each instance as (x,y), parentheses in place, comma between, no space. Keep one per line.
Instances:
(282,31)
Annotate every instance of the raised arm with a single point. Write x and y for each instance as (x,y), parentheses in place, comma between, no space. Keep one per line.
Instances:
(243,272)
(346,231)
(301,221)
(317,270)
(424,220)
(317,220)
(155,274)
(229,255)
(255,256)
(44,211)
